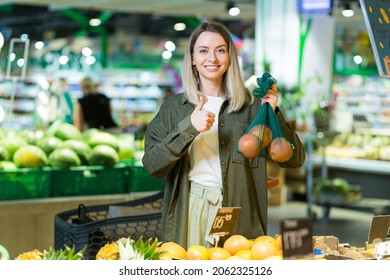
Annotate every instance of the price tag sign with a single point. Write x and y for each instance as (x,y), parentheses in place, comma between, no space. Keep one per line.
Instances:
(297,237)
(379,229)
(224,221)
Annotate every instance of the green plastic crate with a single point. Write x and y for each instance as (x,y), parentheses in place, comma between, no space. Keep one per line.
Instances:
(140,180)
(25,183)
(90,180)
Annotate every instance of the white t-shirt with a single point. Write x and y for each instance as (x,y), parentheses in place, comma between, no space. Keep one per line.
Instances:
(205,166)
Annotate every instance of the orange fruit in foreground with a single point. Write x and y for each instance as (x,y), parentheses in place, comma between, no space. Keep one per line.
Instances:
(246,254)
(279,241)
(249,145)
(197,252)
(265,238)
(263,248)
(263,132)
(235,258)
(218,253)
(174,250)
(236,243)
(277,257)
(280,150)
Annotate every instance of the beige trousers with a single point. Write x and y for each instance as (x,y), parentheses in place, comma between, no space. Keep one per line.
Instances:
(203,206)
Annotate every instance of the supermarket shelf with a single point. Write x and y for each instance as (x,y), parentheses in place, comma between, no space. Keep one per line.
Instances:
(354,164)
(375,206)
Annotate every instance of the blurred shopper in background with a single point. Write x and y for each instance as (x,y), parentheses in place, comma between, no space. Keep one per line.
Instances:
(63,106)
(93,110)
(193,138)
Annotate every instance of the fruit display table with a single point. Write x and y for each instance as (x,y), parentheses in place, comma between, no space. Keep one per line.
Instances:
(29,224)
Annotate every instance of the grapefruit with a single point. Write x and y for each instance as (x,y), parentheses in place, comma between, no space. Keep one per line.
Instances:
(249,145)
(236,243)
(280,150)
(173,250)
(279,241)
(218,253)
(264,248)
(246,254)
(263,132)
(197,252)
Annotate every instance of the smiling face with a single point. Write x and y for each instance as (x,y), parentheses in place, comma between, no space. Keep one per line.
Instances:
(211,57)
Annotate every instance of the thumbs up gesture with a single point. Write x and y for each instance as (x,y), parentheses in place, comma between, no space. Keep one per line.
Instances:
(202,120)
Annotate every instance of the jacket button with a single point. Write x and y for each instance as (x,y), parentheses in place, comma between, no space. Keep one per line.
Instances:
(223,163)
(222,124)
(222,143)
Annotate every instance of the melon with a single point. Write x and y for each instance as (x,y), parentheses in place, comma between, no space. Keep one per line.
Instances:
(103,155)
(30,156)
(66,131)
(64,157)
(49,143)
(81,148)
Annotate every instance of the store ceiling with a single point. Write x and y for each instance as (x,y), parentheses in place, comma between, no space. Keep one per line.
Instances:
(147,17)
(206,8)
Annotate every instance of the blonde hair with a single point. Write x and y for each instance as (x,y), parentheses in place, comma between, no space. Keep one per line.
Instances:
(233,83)
(88,86)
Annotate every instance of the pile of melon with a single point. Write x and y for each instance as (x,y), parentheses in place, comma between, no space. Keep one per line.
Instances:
(63,145)
(236,247)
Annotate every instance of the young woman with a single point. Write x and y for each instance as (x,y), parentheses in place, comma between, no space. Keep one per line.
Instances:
(193,138)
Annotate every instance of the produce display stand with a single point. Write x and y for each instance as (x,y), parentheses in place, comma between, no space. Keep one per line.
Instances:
(36,183)
(28,224)
(30,198)
(371,201)
(93,226)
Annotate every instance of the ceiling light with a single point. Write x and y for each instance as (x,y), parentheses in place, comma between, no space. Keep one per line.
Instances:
(39,45)
(86,51)
(166,54)
(95,22)
(170,46)
(232,9)
(347,11)
(180,26)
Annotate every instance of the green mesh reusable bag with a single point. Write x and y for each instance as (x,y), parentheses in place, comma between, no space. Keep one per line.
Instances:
(271,141)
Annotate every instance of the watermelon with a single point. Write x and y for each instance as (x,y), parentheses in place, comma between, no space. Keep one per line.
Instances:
(87,134)
(81,148)
(6,165)
(103,138)
(49,143)
(30,156)
(126,146)
(66,131)
(4,154)
(64,157)
(103,155)
(12,144)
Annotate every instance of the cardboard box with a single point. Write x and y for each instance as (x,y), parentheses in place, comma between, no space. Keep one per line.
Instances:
(277,194)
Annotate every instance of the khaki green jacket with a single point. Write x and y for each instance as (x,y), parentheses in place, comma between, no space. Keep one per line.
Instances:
(168,137)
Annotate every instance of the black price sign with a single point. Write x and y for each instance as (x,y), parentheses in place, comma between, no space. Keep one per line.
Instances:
(224,221)
(297,236)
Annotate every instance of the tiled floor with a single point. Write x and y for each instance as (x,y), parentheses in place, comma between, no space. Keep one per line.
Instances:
(349,226)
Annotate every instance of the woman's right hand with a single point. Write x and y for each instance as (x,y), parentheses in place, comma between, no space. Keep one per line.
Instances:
(202,120)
